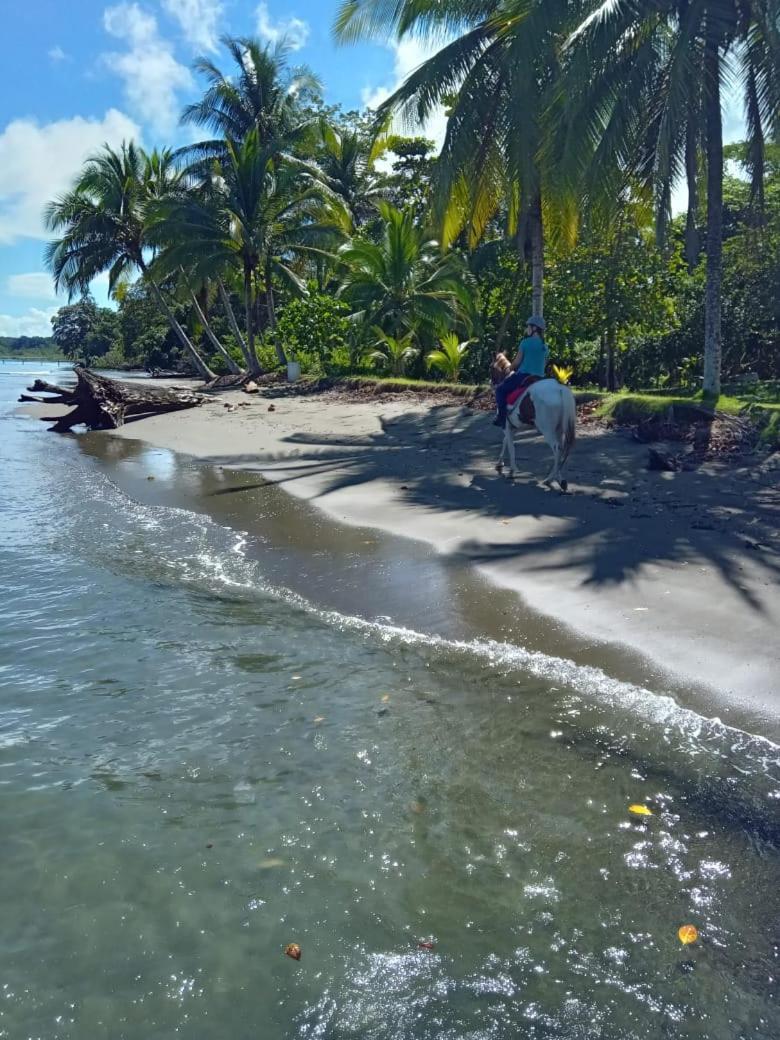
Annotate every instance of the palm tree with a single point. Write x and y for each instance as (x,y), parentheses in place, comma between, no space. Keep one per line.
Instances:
(102,223)
(394,353)
(655,69)
(257,215)
(346,160)
(259,93)
(497,79)
(403,283)
(451,355)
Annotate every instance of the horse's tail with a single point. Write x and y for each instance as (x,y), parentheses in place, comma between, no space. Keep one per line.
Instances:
(567,432)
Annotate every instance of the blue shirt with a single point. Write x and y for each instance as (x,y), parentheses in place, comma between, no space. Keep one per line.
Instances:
(534,356)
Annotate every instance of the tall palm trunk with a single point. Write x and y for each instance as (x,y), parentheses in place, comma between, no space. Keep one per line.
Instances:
(537,256)
(252,363)
(271,311)
(692,244)
(714,127)
(200,365)
(232,366)
(249,310)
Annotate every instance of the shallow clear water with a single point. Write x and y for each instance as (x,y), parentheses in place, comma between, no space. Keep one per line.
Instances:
(198,767)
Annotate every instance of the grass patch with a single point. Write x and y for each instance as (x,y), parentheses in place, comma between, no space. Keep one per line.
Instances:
(398,384)
(633,408)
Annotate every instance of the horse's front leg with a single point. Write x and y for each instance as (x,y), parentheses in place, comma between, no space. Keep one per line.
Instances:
(509,438)
(500,463)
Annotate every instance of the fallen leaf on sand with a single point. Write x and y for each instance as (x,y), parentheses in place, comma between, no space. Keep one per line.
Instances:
(687,934)
(639,810)
(293,950)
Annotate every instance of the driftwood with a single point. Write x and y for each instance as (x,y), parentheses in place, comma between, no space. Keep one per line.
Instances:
(103,404)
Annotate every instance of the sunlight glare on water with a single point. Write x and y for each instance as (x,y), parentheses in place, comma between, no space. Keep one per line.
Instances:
(198,768)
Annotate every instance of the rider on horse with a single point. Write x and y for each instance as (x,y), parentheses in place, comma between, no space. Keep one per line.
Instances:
(530,361)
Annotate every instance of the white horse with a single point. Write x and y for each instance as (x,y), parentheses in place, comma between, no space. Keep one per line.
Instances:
(555,417)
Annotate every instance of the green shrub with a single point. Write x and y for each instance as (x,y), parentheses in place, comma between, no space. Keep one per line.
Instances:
(315,331)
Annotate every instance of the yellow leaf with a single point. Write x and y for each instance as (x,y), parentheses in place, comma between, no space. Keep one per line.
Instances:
(385,698)
(687,934)
(639,810)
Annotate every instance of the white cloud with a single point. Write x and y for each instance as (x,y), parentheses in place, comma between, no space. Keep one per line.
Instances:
(199,21)
(56,54)
(39,162)
(35,285)
(151,74)
(409,54)
(294,31)
(34,322)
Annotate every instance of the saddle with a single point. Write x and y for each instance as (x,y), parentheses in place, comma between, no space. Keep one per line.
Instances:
(526,413)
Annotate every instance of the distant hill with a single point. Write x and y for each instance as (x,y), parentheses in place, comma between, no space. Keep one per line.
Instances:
(30,347)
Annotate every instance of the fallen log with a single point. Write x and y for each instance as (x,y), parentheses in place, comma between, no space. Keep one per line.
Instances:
(101,403)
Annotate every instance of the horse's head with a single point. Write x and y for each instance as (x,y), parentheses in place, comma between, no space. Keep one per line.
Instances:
(500,368)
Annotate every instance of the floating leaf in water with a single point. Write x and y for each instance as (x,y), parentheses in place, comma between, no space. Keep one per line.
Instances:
(293,950)
(687,934)
(270,863)
(318,719)
(639,810)
(297,677)
(426,946)
(417,807)
(385,698)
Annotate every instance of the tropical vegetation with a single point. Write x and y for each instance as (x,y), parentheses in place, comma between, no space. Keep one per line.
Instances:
(295,230)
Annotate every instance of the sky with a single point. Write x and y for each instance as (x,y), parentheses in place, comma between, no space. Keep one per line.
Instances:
(77,75)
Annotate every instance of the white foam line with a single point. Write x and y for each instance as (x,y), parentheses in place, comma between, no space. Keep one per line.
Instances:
(658,708)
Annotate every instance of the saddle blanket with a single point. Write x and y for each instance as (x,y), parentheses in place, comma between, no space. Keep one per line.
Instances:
(527,411)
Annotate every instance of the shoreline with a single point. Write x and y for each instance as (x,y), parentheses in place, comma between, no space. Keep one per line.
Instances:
(679,568)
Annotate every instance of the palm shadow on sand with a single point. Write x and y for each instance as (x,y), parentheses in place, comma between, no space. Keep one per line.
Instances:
(619,519)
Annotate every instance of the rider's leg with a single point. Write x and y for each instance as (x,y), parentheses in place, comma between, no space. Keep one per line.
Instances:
(502,391)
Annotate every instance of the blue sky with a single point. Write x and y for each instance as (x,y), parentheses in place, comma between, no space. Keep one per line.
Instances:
(77,74)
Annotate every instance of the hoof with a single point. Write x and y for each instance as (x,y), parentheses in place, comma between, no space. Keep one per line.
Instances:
(564,486)
(499,467)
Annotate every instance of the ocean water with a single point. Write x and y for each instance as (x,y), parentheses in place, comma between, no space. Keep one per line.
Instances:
(202,761)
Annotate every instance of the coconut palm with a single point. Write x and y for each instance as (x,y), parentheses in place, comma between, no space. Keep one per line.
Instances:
(101,220)
(450,356)
(403,283)
(497,79)
(394,353)
(258,215)
(258,93)
(346,161)
(649,77)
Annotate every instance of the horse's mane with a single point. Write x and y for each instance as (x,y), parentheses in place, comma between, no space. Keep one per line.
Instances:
(500,368)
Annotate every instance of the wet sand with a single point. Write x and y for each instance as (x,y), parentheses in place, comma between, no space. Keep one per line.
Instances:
(681,568)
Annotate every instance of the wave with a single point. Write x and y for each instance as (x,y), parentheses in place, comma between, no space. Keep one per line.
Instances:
(733,770)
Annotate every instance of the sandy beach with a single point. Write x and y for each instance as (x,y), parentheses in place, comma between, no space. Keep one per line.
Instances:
(682,568)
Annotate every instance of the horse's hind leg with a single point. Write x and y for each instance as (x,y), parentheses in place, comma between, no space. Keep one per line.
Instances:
(554,473)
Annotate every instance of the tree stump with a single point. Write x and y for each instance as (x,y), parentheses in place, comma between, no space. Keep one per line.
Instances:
(101,403)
